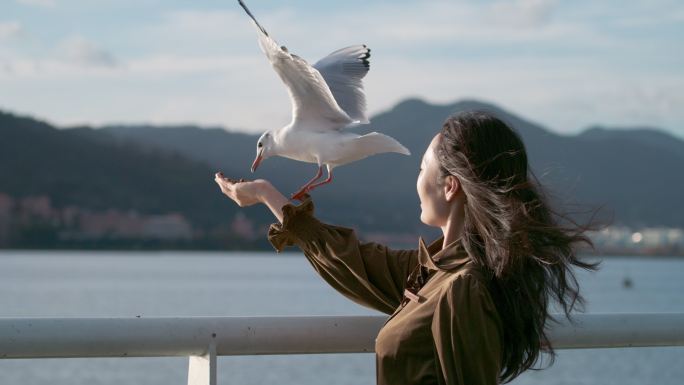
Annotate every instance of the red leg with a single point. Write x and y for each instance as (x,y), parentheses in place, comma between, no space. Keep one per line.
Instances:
(328,180)
(298,195)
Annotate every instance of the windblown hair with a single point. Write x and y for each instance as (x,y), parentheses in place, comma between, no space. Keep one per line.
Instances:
(513,234)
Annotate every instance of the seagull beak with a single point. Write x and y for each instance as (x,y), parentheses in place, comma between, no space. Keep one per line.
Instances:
(257,161)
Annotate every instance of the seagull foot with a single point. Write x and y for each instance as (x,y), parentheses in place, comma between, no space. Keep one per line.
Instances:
(300,195)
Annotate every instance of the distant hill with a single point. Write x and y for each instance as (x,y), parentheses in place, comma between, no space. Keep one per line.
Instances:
(640,135)
(635,173)
(91,169)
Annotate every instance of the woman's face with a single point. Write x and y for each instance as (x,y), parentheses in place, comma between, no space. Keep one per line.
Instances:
(433,204)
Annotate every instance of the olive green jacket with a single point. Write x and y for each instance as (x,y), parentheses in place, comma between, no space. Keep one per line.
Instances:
(443,326)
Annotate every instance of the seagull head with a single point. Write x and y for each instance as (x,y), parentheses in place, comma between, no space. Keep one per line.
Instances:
(264,149)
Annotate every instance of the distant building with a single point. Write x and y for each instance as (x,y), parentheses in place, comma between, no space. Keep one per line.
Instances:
(652,240)
(166,227)
(109,224)
(36,208)
(243,227)
(114,224)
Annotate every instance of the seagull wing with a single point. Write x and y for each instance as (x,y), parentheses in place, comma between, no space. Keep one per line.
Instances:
(313,104)
(343,71)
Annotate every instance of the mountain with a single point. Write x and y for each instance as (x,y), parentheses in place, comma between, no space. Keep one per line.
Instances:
(90,169)
(637,173)
(634,173)
(641,135)
(378,192)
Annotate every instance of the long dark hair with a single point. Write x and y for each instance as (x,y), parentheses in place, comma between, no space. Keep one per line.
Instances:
(511,232)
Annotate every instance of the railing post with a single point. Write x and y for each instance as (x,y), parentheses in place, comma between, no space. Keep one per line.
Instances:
(202,369)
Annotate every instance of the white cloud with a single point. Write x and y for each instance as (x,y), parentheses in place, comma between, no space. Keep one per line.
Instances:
(211,24)
(38,3)
(174,64)
(10,30)
(82,51)
(72,57)
(205,66)
(244,93)
(524,13)
(195,31)
(432,24)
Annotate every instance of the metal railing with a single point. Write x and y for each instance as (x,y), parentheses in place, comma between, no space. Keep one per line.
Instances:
(202,339)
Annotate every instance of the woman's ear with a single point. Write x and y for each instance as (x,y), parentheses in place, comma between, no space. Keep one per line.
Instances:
(451,187)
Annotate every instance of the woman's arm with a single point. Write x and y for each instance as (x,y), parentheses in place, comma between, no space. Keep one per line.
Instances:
(368,273)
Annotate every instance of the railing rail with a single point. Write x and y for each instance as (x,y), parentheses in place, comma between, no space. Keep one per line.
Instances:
(204,338)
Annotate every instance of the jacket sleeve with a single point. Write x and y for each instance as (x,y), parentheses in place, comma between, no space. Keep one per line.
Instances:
(367,273)
(467,333)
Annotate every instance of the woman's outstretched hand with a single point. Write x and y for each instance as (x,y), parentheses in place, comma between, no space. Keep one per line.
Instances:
(244,193)
(248,193)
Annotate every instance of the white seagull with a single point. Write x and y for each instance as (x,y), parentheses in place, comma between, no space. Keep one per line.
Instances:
(326,97)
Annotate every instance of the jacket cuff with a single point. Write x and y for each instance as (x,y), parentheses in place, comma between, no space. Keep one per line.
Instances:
(298,221)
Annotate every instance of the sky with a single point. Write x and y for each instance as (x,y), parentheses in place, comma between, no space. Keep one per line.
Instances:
(567,65)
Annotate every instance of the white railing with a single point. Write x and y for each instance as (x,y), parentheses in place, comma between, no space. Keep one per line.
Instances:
(204,338)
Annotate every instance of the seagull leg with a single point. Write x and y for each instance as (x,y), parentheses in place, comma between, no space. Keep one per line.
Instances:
(328,180)
(300,193)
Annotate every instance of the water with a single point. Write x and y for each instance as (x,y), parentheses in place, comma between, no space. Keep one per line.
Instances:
(105,284)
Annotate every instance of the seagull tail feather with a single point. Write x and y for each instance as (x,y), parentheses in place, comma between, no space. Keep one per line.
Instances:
(378,143)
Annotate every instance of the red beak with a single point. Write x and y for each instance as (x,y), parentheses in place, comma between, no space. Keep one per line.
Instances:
(256,163)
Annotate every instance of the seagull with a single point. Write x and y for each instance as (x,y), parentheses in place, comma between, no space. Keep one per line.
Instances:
(326,98)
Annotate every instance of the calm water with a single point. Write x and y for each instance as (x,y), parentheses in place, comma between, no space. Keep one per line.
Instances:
(256,284)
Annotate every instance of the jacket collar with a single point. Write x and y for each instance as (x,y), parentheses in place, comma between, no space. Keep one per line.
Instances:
(434,257)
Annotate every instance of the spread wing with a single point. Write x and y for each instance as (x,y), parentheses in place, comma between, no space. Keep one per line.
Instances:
(313,104)
(343,71)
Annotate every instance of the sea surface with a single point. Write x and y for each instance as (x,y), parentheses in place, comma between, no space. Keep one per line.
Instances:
(101,284)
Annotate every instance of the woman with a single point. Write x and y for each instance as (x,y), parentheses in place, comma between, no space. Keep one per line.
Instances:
(471,307)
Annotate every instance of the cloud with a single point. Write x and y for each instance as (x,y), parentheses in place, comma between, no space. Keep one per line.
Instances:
(432,25)
(523,13)
(174,64)
(38,3)
(10,30)
(564,66)
(435,24)
(82,51)
(197,32)
(207,23)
